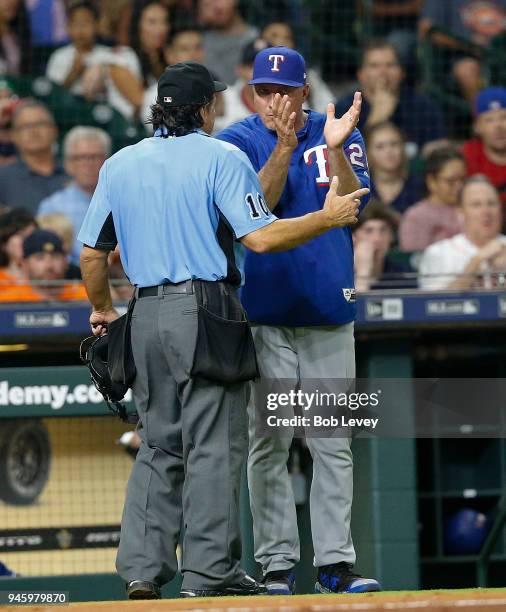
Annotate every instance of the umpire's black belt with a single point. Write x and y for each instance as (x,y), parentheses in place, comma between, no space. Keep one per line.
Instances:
(158,290)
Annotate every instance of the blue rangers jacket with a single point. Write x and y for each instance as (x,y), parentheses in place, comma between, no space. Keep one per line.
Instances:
(311,284)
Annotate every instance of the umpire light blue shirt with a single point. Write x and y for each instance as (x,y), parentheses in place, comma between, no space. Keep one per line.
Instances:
(175,206)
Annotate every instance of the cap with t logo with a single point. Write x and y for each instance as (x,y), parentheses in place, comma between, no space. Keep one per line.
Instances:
(279,65)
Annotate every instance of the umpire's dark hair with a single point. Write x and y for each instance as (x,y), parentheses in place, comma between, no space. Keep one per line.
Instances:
(438,159)
(178,121)
(12,222)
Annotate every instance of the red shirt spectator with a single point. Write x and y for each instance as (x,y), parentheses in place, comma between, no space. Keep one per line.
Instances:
(487,153)
(478,163)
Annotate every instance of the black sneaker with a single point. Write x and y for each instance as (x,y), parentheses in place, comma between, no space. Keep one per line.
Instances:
(281,582)
(247,586)
(339,578)
(141,589)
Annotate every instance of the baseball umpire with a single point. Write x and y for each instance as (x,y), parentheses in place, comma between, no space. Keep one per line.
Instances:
(304,331)
(175,203)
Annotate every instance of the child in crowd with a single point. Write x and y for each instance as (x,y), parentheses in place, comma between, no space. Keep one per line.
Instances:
(92,70)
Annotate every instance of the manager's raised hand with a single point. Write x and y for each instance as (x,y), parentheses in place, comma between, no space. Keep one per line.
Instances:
(342,210)
(284,121)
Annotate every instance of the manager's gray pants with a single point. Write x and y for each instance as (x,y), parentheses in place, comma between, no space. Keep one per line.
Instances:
(194,442)
(301,353)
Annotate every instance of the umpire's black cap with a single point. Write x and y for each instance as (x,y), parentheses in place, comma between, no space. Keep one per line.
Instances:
(187,83)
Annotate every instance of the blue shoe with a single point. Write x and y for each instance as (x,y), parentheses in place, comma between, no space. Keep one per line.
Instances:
(338,578)
(281,582)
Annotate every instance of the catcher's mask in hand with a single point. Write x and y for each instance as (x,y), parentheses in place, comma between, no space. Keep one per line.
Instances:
(94,353)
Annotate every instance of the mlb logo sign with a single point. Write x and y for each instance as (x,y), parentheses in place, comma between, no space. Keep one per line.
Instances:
(167,99)
(350,295)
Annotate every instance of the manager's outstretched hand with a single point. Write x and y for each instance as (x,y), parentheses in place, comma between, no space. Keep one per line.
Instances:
(336,131)
(342,210)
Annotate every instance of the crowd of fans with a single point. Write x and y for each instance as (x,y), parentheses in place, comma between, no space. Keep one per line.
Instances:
(435,220)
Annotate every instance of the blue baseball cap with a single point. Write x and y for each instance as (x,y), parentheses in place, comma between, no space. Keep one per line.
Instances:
(491,98)
(280,66)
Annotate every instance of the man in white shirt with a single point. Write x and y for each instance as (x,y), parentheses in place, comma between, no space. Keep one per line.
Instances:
(476,258)
(94,71)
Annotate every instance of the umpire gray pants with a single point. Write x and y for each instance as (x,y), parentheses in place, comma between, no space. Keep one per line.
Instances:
(301,353)
(188,469)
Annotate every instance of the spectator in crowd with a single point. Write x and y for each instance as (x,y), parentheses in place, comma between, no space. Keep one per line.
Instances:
(475,20)
(486,154)
(238,98)
(62,226)
(392,182)
(180,10)
(149,32)
(95,71)
(225,36)
(36,174)
(85,149)
(15,38)
(8,102)
(44,267)
(477,256)
(386,98)
(373,237)
(15,226)
(281,34)
(397,22)
(437,216)
(186,44)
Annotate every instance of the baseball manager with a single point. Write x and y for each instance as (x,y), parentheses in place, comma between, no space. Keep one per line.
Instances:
(303,302)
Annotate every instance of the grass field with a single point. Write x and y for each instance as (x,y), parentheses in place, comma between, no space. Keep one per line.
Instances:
(477,600)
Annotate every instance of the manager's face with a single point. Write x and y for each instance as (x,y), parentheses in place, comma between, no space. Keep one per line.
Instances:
(263,97)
